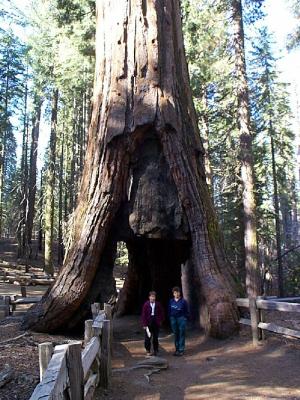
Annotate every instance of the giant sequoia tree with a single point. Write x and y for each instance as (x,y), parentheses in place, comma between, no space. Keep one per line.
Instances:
(143,180)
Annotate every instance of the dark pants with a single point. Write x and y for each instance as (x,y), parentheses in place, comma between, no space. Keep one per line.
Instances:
(178,328)
(154,329)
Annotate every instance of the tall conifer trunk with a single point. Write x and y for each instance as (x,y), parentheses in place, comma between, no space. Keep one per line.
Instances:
(143,180)
(246,157)
(277,216)
(30,211)
(50,182)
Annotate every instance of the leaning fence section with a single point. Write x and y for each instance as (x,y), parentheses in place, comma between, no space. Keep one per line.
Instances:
(259,306)
(76,369)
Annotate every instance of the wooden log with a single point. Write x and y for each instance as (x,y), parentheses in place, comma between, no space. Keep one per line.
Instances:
(277,306)
(75,371)
(6,376)
(105,366)
(88,331)
(89,354)
(18,280)
(90,387)
(96,308)
(279,329)
(254,320)
(55,380)
(45,354)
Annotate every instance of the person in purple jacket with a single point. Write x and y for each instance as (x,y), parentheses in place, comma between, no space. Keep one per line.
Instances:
(178,314)
(152,318)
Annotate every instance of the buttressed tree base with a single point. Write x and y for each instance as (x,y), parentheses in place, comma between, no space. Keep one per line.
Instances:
(143,180)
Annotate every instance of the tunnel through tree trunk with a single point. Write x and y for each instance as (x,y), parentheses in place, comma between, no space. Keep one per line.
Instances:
(154,265)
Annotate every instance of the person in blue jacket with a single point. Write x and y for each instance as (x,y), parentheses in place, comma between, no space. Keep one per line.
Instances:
(178,314)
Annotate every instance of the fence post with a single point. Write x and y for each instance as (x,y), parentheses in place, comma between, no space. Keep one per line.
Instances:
(6,306)
(108,314)
(261,318)
(45,354)
(23,291)
(254,320)
(95,309)
(105,364)
(88,331)
(75,371)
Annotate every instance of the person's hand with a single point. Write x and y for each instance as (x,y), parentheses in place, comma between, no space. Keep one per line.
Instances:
(144,327)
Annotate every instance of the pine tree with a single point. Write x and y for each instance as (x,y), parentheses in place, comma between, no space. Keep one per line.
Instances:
(274,150)
(12,55)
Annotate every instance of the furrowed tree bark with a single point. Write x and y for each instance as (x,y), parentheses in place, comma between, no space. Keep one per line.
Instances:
(246,157)
(143,180)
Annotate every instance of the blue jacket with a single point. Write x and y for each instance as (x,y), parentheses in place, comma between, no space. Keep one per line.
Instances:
(178,308)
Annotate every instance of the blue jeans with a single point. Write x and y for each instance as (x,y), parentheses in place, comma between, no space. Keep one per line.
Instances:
(178,327)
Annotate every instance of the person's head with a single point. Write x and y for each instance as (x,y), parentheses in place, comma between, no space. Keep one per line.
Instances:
(176,292)
(152,296)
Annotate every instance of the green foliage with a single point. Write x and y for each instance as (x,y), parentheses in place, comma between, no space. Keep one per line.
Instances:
(208,46)
(13,58)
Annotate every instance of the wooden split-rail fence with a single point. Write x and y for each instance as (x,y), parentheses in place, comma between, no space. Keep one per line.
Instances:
(71,372)
(8,304)
(258,308)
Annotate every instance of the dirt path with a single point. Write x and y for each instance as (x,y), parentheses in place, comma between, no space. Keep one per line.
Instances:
(211,369)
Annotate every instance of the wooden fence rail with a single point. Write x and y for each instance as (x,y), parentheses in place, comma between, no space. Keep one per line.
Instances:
(258,306)
(8,304)
(71,372)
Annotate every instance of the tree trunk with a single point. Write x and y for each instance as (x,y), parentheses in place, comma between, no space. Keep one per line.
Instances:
(21,230)
(277,218)
(41,204)
(143,179)
(60,203)
(32,176)
(3,137)
(246,157)
(49,204)
(205,139)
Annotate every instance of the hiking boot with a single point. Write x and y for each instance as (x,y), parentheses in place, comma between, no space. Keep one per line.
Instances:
(148,354)
(180,353)
(176,354)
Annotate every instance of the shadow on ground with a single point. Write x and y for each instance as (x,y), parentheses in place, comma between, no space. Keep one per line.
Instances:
(211,369)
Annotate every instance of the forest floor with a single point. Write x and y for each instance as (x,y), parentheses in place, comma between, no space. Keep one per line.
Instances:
(210,369)
(230,369)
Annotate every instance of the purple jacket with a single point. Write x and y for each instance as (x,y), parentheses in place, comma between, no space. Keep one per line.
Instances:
(146,313)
